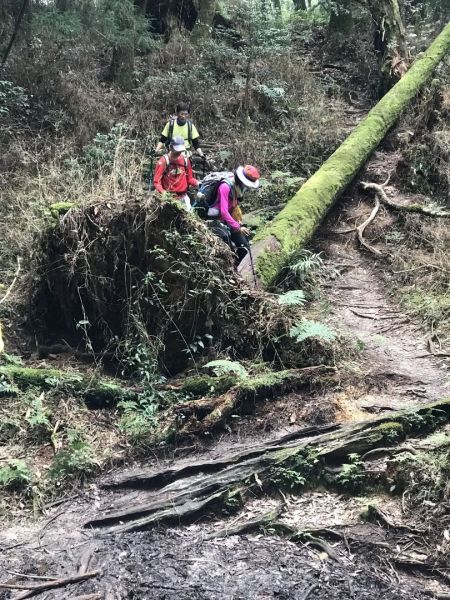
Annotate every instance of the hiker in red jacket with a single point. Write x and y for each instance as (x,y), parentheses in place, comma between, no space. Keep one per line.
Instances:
(173,172)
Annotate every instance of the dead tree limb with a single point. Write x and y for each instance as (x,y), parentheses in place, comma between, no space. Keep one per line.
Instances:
(34,590)
(207,414)
(381,195)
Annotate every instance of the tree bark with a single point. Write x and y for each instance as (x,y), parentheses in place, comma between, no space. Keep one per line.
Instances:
(206,9)
(183,493)
(389,41)
(20,16)
(294,226)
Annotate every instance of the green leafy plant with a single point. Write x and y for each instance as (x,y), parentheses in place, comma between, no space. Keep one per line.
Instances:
(36,415)
(13,99)
(222,367)
(15,474)
(311,329)
(139,417)
(352,475)
(295,472)
(100,155)
(77,458)
(292,298)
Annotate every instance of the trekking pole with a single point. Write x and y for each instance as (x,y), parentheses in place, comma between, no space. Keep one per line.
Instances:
(255,281)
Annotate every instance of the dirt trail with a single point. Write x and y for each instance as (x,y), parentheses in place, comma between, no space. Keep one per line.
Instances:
(393,349)
(182,563)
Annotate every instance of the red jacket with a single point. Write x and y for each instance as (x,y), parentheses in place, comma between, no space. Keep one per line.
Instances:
(174,175)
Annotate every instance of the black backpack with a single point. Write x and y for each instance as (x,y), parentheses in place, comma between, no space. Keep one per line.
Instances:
(207,192)
(172,125)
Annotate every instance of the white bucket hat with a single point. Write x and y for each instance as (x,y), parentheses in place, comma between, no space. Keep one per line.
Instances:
(249,176)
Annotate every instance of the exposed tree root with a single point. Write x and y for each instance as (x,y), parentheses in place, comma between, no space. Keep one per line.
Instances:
(246,526)
(207,414)
(381,195)
(360,229)
(34,590)
(199,486)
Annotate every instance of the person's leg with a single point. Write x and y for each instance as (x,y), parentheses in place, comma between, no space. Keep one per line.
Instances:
(241,243)
(220,229)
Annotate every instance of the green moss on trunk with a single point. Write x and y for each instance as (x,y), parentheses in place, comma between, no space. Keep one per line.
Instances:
(97,393)
(294,226)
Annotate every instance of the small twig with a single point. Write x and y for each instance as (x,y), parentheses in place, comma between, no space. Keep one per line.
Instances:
(42,587)
(16,275)
(309,591)
(424,266)
(364,316)
(41,531)
(60,501)
(25,575)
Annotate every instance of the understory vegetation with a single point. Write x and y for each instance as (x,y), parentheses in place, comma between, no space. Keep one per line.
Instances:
(147,333)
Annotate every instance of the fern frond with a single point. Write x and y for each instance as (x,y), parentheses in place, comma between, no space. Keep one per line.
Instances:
(292,298)
(221,367)
(311,329)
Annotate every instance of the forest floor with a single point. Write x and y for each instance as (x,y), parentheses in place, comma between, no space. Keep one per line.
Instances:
(385,558)
(370,560)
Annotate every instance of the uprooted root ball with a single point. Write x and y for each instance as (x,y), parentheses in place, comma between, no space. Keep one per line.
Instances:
(143,276)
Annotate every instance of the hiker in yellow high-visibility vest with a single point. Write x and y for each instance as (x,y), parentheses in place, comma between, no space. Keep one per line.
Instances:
(181,126)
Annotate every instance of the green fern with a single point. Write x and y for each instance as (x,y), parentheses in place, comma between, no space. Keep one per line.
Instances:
(222,367)
(15,474)
(292,298)
(311,329)
(308,266)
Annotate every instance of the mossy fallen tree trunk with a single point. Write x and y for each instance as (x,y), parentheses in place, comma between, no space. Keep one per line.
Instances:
(95,392)
(209,413)
(185,492)
(294,226)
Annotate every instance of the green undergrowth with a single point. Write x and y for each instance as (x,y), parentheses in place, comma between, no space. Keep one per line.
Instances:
(54,437)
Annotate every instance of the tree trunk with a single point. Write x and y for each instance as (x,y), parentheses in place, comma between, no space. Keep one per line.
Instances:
(341,19)
(389,41)
(294,226)
(206,9)
(300,5)
(122,67)
(20,16)
(122,64)
(177,493)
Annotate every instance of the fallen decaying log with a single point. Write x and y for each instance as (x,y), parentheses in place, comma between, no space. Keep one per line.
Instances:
(95,392)
(294,226)
(183,493)
(209,413)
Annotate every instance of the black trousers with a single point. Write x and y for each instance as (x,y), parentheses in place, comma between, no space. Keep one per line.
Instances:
(231,237)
